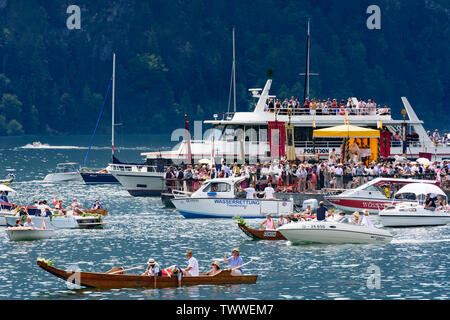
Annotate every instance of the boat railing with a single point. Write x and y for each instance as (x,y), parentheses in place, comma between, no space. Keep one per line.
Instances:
(332,192)
(334,111)
(317,144)
(133,168)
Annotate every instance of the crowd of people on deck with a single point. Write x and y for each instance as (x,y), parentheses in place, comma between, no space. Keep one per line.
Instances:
(296,176)
(326,107)
(192,270)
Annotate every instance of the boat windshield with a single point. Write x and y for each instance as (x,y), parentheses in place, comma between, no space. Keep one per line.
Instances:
(217,187)
(66,168)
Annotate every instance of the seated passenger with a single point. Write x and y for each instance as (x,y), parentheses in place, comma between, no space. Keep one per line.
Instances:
(96,205)
(356,219)
(215,269)
(366,220)
(29,223)
(429,203)
(235,262)
(47,212)
(341,218)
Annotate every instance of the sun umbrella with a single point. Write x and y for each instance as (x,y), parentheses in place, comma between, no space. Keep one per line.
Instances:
(346,131)
(423,161)
(5,188)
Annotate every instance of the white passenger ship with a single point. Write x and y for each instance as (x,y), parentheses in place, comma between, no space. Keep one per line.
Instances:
(245,137)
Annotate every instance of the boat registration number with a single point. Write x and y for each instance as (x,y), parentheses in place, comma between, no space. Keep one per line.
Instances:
(270,234)
(315,226)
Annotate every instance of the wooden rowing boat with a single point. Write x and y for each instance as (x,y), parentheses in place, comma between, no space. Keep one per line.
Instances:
(261,234)
(121,280)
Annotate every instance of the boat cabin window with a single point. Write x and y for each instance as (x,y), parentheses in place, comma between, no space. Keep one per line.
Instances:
(405,196)
(217,187)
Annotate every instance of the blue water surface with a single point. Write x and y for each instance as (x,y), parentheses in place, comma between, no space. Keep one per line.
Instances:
(414,266)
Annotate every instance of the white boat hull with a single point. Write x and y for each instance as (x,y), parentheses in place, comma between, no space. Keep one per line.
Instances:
(141,184)
(332,232)
(396,218)
(64,222)
(63,177)
(229,208)
(28,234)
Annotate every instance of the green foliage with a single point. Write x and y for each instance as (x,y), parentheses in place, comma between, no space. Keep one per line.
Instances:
(241,221)
(47,262)
(14,128)
(175,57)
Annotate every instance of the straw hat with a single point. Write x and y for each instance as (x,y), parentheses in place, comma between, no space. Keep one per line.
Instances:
(356,214)
(366,212)
(236,250)
(216,263)
(151,261)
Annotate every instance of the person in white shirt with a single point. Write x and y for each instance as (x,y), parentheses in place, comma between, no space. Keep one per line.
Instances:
(251,192)
(269,192)
(192,269)
(366,220)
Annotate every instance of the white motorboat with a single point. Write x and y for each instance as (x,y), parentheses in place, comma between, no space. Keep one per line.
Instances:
(139,179)
(59,222)
(332,232)
(28,234)
(373,195)
(219,198)
(69,171)
(413,212)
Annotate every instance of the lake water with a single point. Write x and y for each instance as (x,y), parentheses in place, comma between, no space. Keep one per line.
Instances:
(414,266)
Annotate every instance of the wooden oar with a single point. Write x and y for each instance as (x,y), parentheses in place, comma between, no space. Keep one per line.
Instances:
(138,267)
(244,264)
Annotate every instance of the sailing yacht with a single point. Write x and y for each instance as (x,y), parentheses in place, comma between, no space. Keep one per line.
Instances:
(104,176)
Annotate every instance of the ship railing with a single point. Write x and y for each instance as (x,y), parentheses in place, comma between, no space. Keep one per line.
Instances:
(133,168)
(317,144)
(333,112)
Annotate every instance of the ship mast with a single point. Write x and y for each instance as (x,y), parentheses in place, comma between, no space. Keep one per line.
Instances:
(307,74)
(112,106)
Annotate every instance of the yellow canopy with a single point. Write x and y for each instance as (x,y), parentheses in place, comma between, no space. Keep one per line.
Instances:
(345,131)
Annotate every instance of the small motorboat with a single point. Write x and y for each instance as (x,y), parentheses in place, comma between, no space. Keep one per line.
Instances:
(219,198)
(28,234)
(10,177)
(373,195)
(69,171)
(332,232)
(261,234)
(413,212)
(119,279)
(60,221)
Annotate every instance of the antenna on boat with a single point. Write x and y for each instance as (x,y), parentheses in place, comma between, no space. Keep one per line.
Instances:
(233,77)
(307,74)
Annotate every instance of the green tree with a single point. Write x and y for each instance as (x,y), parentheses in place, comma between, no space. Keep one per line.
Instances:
(14,128)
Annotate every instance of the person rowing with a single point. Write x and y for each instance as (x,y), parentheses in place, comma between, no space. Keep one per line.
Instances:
(235,262)
(270,224)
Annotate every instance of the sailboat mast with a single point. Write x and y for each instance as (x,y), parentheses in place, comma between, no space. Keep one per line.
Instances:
(306,93)
(234,72)
(112,106)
